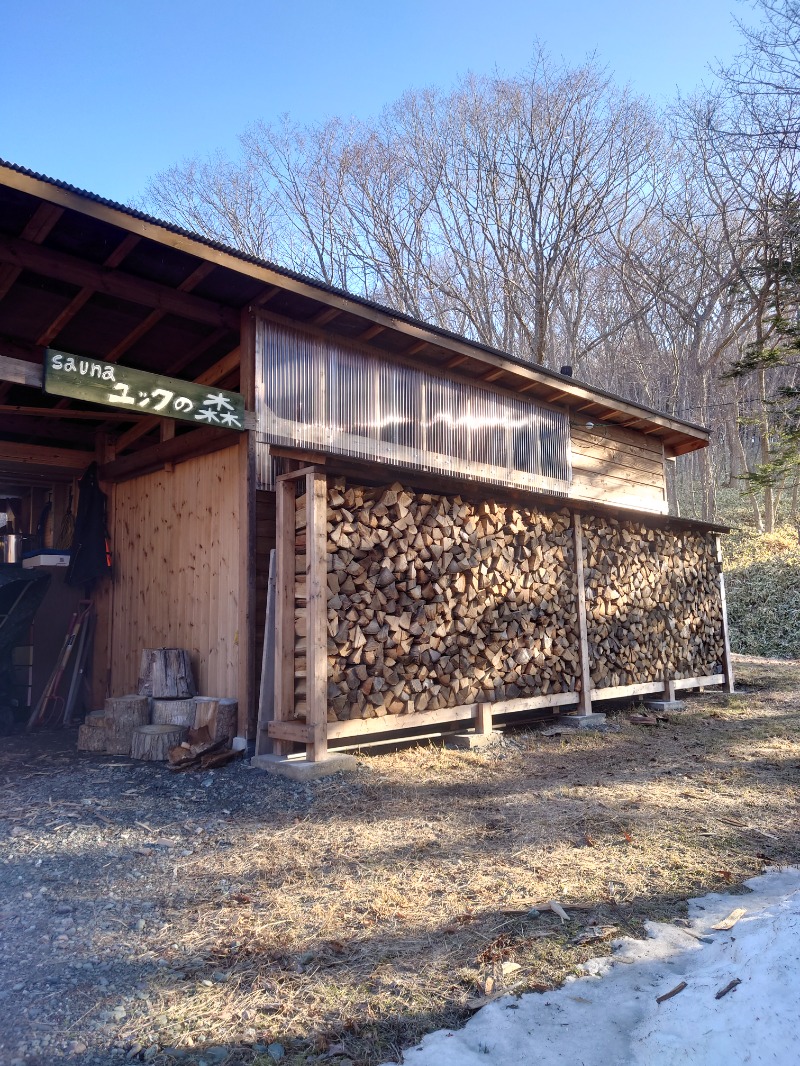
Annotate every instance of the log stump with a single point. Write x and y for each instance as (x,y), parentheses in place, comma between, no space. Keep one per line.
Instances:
(219,716)
(174,712)
(166,673)
(93,734)
(122,715)
(152,742)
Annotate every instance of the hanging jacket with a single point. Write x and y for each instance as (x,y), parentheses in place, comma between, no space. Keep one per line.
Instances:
(89,556)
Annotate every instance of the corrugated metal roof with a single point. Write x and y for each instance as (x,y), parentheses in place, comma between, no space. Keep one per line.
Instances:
(324,287)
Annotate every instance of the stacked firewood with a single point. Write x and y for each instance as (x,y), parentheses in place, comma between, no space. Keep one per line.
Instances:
(653,603)
(436,601)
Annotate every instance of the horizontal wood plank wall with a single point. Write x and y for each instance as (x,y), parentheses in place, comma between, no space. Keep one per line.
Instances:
(619,467)
(175,540)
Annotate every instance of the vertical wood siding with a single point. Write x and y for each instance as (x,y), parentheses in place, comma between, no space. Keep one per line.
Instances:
(175,539)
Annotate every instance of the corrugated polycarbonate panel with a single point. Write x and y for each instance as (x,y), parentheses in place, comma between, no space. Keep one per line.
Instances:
(316,393)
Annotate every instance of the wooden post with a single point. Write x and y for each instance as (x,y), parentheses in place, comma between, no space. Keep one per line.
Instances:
(316,615)
(669,686)
(246,629)
(483,720)
(284,608)
(727,661)
(266,699)
(585,702)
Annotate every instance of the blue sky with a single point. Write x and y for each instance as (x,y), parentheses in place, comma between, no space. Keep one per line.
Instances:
(105,94)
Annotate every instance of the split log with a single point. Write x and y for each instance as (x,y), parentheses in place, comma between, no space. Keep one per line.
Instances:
(197,744)
(174,712)
(218,716)
(152,742)
(166,673)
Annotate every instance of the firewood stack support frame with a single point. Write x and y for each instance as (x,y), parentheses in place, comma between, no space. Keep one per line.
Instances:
(301,714)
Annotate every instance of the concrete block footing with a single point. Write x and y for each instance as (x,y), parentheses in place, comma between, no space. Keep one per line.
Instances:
(298,768)
(472,741)
(665,705)
(582,721)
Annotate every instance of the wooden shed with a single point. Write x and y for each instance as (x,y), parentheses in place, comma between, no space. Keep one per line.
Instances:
(459,535)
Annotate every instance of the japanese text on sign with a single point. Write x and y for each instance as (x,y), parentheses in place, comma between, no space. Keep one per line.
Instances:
(140,391)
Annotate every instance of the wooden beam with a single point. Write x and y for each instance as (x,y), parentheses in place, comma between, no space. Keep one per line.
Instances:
(125,246)
(391,723)
(316,615)
(373,331)
(20,371)
(186,446)
(244,358)
(416,348)
(266,297)
(79,272)
(38,455)
(699,682)
(68,413)
(44,218)
(457,360)
(620,692)
(326,316)
(155,317)
(493,375)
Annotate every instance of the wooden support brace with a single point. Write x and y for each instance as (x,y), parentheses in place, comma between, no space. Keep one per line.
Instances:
(585,703)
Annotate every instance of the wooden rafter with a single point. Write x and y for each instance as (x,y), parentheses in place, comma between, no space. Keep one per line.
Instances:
(265,297)
(371,332)
(81,298)
(75,271)
(325,316)
(154,317)
(44,218)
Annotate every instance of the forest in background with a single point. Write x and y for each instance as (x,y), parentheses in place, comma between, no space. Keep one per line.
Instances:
(559,217)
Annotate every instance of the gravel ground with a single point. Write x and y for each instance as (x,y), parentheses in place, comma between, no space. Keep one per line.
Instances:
(95,852)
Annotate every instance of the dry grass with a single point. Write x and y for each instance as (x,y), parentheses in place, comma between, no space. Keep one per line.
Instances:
(763,583)
(403,898)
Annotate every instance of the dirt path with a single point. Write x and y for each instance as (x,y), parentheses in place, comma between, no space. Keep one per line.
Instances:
(230,917)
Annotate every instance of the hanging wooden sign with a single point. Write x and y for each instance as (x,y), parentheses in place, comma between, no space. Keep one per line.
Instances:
(139,392)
